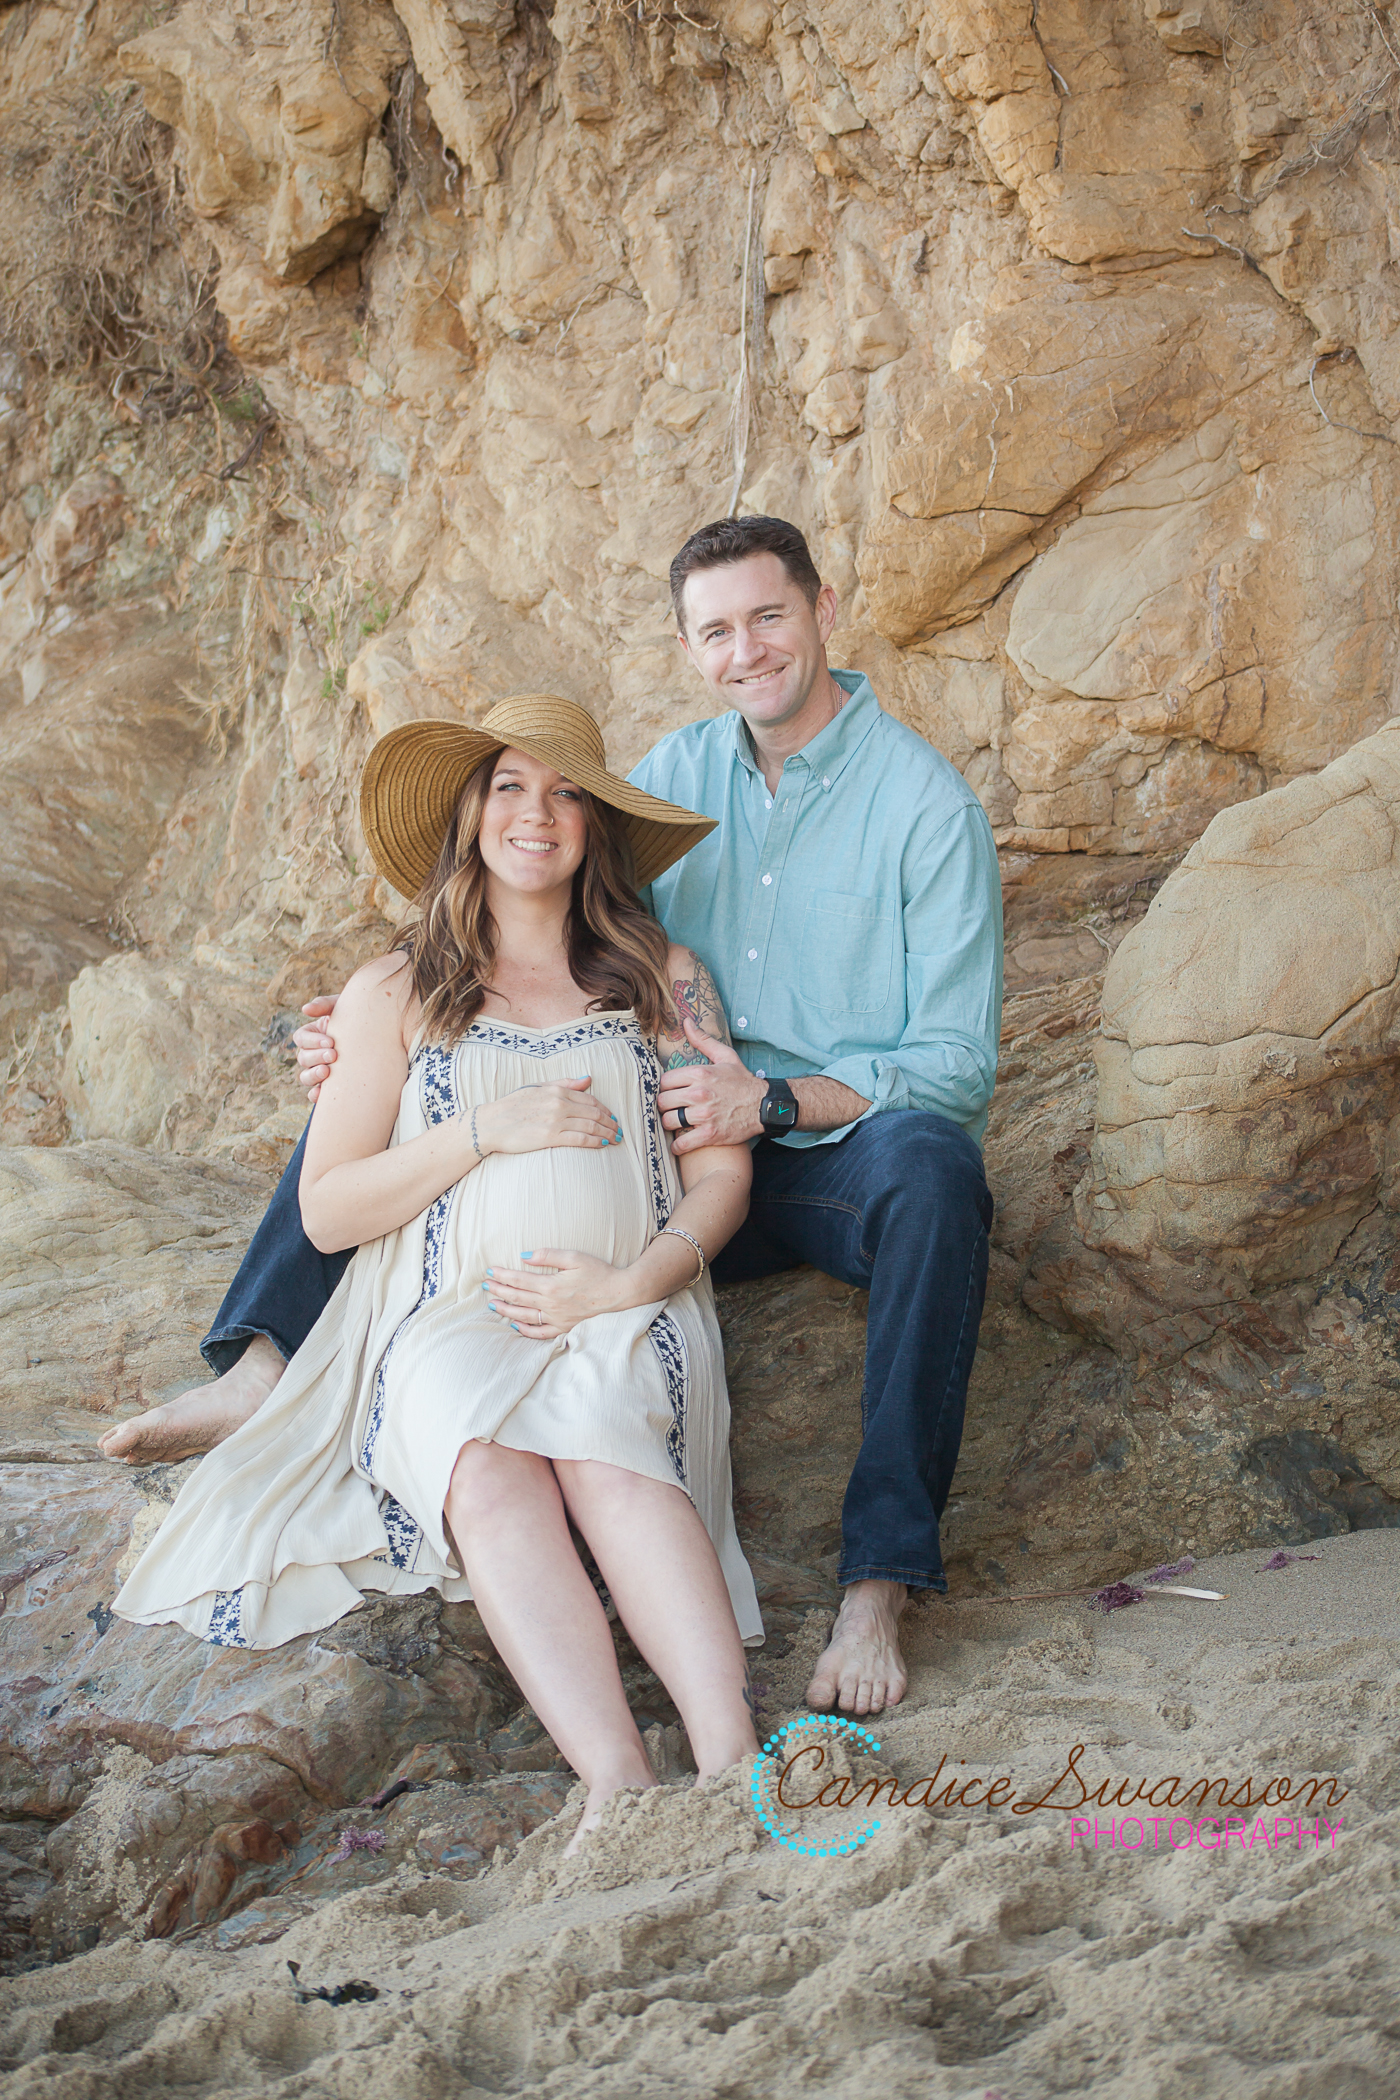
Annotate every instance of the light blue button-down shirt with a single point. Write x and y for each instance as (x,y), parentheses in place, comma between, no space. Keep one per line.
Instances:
(851,920)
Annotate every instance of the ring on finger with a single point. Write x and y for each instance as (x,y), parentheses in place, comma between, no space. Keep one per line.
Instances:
(682,1119)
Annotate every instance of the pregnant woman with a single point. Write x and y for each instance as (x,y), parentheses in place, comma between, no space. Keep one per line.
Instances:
(526,1337)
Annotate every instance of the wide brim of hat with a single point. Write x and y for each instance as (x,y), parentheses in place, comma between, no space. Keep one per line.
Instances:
(414,777)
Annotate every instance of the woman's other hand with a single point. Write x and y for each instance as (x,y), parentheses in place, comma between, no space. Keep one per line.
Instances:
(537,1118)
(315,1050)
(542,1306)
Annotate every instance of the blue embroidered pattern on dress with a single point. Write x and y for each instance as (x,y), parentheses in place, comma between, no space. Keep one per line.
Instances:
(669,1344)
(404,1533)
(437,1091)
(649,1073)
(226,1621)
(497,1036)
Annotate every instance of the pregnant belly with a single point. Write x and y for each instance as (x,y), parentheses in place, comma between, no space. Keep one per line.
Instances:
(589,1202)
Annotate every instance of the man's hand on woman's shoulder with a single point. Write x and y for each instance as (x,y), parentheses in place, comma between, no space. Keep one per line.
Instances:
(315,1050)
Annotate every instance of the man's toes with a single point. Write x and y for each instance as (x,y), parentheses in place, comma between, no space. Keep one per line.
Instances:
(821,1692)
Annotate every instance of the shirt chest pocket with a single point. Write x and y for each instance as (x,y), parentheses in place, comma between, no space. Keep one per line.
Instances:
(846,953)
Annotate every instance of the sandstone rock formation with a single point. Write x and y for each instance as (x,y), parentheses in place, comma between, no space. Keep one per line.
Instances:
(362,362)
(1247,1092)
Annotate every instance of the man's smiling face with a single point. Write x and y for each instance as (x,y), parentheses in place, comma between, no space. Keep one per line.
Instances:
(755,640)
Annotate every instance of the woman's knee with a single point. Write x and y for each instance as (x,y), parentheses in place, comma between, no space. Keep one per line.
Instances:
(489,1479)
(593,1488)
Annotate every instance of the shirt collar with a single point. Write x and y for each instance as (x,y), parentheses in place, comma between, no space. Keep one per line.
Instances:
(831,750)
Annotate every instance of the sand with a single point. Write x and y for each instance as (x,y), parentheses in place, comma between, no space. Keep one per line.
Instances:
(960,1952)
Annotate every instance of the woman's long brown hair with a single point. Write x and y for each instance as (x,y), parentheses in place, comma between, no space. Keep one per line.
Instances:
(617,953)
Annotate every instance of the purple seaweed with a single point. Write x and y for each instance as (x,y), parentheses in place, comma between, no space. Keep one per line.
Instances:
(359,1841)
(1116,1597)
(1173,1570)
(1285,1560)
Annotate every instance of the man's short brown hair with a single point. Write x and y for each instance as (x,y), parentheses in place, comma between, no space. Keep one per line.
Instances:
(731,540)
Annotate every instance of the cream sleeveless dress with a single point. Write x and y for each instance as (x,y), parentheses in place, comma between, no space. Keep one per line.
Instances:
(336,1486)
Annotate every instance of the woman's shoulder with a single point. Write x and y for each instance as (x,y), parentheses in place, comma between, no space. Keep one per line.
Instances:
(379,994)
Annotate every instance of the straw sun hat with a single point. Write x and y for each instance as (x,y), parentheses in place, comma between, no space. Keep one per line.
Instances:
(414,779)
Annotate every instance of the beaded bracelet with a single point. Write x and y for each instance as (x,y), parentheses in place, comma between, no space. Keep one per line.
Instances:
(476,1147)
(679,1232)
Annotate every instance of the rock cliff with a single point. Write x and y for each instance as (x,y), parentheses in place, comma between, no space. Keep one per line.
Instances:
(360,363)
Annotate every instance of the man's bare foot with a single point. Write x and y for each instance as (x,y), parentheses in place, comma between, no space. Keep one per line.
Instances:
(599,1796)
(201,1418)
(861,1669)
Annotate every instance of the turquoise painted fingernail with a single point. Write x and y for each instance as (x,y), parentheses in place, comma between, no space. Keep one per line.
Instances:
(490,1272)
(528,1255)
(514,1327)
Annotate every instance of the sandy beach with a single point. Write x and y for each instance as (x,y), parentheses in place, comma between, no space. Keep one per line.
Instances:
(976,1954)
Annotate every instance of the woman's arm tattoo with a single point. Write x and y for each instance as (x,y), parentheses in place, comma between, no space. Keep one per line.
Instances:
(697,1000)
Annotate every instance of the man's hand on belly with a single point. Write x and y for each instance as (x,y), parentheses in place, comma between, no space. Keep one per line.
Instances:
(720,1099)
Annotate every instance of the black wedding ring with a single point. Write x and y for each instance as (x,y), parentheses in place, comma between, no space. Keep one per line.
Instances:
(682,1120)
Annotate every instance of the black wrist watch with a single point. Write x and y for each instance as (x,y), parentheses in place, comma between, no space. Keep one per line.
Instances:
(778,1108)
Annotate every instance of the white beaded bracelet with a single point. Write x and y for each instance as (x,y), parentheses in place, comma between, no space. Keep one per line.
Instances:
(679,1232)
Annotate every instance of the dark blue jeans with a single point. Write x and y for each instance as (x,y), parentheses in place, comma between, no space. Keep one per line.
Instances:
(900,1207)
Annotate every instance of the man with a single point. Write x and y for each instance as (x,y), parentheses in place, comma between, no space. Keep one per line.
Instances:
(849,908)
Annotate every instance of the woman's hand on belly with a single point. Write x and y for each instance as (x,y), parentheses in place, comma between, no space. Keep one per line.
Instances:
(542,1305)
(535,1118)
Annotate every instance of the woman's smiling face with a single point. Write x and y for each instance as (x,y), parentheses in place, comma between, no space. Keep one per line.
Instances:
(534,829)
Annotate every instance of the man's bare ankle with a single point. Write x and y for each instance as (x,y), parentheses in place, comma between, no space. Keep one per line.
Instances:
(875,1595)
(261,1364)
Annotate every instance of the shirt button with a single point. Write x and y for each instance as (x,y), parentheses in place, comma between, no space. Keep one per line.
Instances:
(769,803)
(753,955)
(742,1022)
(826,780)
(766,880)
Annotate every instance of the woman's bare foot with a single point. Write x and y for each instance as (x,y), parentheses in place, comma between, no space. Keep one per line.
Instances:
(637,1778)
(861,1669)
(201,1418)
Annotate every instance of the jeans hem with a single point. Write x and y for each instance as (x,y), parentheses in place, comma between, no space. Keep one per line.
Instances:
(223,1346)
(912,1578)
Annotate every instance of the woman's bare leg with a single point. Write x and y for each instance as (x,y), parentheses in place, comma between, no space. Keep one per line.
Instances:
(664,1576)
(509,1525)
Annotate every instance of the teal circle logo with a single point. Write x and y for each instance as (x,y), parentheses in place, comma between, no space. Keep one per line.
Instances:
(793,1763)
